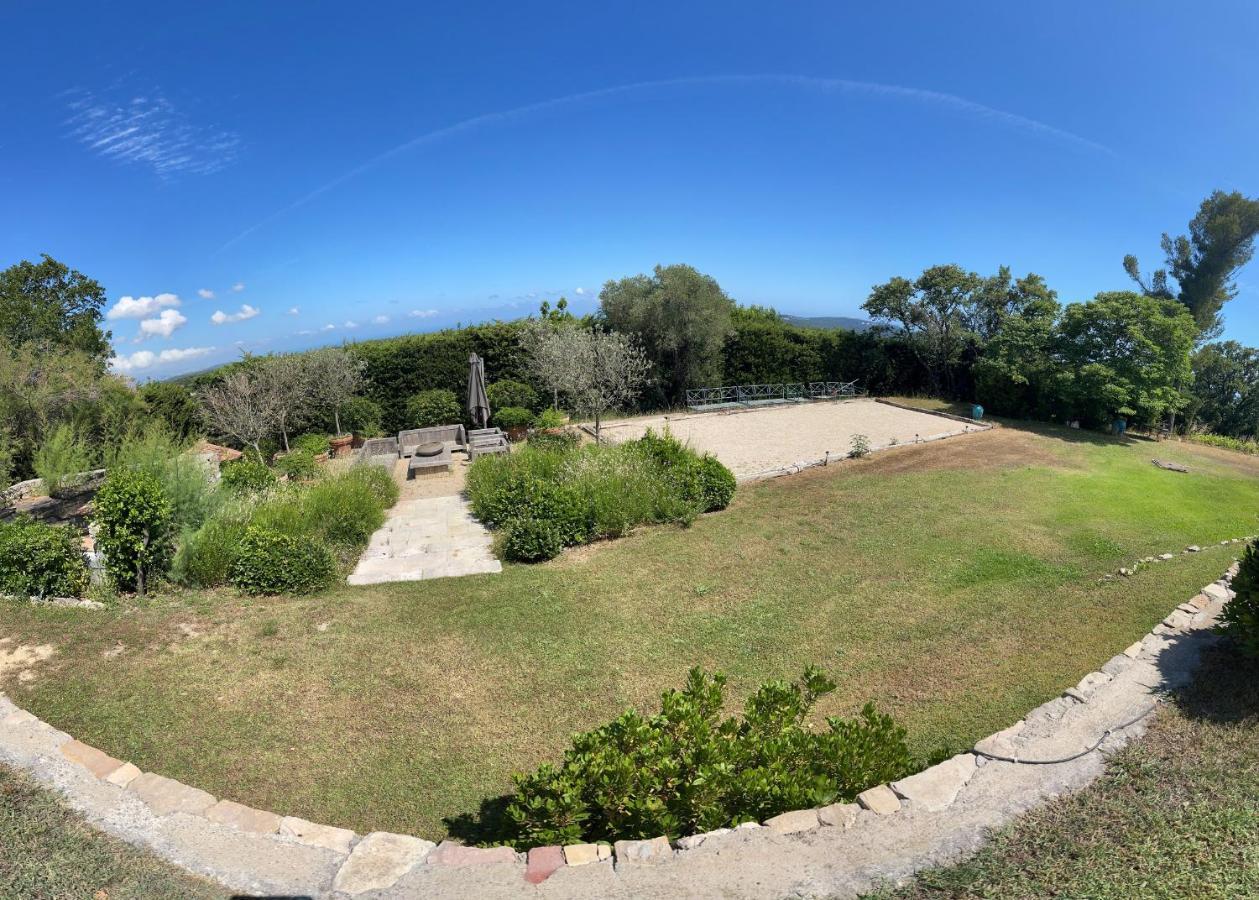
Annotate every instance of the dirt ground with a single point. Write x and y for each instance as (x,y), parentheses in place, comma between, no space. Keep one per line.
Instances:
(754,441)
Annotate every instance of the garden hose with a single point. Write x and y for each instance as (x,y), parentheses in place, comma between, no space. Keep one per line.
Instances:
(1053,762)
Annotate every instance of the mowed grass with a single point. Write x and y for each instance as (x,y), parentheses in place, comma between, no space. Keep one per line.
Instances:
(1176,815)
(956,584)
(47,851)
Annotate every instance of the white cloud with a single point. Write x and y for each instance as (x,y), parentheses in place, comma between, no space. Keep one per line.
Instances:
(351,324)
(293,310)
(380,320)
(579,291)
(328,327)
(140,307)
(422,313)
(149,131)
(164,325)
(144,359)
(238,287)
(205,293)
(246,312)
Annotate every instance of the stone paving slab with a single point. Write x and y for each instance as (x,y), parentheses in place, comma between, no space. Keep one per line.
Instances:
(430,537)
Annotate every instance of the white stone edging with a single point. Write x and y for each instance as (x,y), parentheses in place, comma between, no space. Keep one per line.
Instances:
(843,849)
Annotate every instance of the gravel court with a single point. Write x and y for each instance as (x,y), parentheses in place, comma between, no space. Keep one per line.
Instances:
(759,441)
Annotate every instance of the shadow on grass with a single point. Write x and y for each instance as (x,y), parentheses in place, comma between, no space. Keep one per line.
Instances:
(488,825)
(1225,689)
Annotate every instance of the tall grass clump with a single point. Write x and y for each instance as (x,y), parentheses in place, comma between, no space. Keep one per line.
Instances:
(544,498)
(64,455)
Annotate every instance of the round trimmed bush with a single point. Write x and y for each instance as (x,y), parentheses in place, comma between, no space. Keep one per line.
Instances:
(38,560)
(435,407)
(271,562)
(513,417)
(503,394)
(246,476)
(532,540)
(362,416)
(135,519)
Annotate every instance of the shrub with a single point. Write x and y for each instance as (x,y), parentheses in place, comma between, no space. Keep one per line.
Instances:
(532,540)
(687,770)
(41,560)
(554,441)
(1241,445)
(136,533)
(714,483)
(64,455)
(550,418)
(271,562)
(298,465)
(435,407)
(246,476)
(314,444)
(206,555)
(1240,618)
(361,416)
(347,508)
(503,394)
(513,417)
(859,446)
(184,477)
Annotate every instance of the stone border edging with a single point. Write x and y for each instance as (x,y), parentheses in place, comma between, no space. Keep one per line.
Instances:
(843,849)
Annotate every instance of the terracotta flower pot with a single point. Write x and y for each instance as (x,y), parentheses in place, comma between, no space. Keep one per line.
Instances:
(341,444)
(517,433)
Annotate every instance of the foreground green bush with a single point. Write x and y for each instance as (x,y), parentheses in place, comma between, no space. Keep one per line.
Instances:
(38,560)
(135,522)
(271,562)
(577,494)
(347,508)
(513,417)
(206,555)
(185,479)
(297,464)
(687,770)
(1240,618)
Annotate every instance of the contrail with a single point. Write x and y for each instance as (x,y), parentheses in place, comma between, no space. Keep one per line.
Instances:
(827,85)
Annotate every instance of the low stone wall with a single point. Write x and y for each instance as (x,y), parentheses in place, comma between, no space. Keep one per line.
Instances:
(841,850)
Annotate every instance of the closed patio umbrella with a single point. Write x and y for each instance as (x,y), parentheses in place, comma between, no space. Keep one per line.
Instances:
(478,401)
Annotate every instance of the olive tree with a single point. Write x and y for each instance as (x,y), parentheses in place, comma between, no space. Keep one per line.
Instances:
(596,370)
(334,376)
(245,405)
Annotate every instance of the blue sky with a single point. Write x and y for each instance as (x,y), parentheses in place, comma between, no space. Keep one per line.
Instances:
(266,176)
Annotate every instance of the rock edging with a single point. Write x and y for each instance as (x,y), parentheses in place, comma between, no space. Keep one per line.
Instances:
(891,831)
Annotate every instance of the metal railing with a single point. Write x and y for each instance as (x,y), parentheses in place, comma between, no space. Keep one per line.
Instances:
(766,394)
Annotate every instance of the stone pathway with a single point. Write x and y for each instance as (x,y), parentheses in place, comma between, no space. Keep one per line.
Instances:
(430,537)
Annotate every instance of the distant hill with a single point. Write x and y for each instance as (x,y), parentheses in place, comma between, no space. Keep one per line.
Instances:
(829,322)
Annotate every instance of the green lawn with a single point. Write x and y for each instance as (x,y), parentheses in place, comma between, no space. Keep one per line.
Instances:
(1176,815)
(956,584)
(48,851)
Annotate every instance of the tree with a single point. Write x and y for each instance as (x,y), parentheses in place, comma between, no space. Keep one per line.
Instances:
(50,305)
(681,319)
(544,353)
(175,405)
(334,376)
(934,314)
(597,370)
(1124,354)
(1016,372)
(1204,262)
(1224,398)
(245,405)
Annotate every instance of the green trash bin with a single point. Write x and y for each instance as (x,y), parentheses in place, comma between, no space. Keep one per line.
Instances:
(976,411)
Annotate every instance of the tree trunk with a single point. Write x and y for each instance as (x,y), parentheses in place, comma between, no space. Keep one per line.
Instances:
(144,547)
(336,418)
(598,439)
(284,430)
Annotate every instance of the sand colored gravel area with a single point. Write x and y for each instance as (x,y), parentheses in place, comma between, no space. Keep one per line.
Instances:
(757,441)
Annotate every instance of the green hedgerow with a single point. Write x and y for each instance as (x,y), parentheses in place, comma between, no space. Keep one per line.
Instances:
(688,770)
(246,476)
(38,560)
(435,407)
(1240,618)
(135,522)
(271,562)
